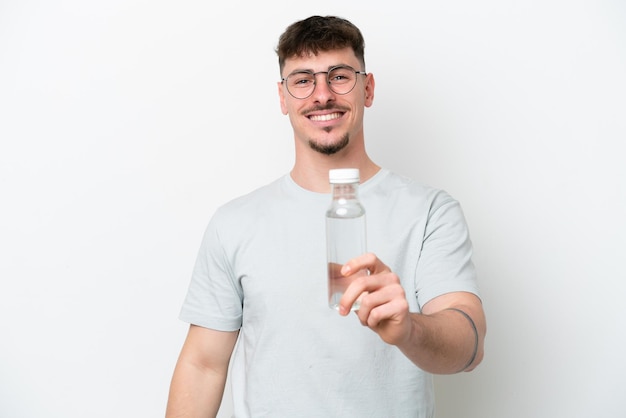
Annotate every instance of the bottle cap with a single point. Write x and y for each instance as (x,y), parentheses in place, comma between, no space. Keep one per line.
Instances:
(344,175)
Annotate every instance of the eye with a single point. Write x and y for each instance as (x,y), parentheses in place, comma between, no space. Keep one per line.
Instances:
(301,80)
(341,75)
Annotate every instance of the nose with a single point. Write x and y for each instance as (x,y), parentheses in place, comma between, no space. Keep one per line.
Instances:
(322,91)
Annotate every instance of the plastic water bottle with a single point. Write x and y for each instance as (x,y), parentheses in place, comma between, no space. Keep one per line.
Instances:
(345,231)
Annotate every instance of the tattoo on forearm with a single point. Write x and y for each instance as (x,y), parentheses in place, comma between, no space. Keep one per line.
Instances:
(471,321)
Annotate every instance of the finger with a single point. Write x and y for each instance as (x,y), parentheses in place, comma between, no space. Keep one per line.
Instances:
(367,261)
(390,321)
(357,287)
(381,304)
(365,284)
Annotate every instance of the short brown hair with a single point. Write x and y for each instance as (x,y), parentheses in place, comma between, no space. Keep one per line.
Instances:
(319,34)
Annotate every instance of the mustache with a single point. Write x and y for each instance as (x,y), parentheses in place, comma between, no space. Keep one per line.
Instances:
(328,106)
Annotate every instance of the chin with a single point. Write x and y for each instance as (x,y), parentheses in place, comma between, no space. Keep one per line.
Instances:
(331,148)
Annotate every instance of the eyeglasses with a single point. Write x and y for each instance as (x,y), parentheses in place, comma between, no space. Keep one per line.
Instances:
(340,79)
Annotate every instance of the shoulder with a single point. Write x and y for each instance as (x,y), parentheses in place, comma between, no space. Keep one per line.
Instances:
(403,190)
(250,202)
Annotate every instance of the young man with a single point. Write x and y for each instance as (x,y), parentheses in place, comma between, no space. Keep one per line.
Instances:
(260,277)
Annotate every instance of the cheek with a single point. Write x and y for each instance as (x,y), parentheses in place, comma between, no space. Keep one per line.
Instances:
(289,107)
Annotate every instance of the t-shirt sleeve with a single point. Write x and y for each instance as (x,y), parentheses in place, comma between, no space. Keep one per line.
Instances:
(214,298)
(445,264)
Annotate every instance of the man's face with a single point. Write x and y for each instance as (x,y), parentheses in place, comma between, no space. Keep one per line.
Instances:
(325,121)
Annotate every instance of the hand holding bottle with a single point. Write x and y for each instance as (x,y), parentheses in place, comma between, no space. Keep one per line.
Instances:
(383,305)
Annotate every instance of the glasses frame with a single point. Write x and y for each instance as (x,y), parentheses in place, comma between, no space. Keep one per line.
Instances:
(284,80)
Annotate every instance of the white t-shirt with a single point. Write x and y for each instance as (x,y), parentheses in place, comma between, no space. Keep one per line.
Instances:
(261,269)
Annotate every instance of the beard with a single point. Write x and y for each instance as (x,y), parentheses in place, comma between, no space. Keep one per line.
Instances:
(330,149)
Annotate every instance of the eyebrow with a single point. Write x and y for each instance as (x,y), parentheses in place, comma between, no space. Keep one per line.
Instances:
(310,70)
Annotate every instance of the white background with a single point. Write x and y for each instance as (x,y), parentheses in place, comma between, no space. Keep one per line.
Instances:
(124,124)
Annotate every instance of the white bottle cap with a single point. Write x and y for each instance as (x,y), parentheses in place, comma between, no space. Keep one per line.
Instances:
(344,175)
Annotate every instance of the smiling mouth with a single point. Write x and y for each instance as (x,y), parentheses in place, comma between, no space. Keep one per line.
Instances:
(325,118)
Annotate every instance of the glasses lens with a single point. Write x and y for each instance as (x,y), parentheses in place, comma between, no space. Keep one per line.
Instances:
(301,85)
(342,79)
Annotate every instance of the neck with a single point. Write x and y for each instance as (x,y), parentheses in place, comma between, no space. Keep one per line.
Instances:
(314,176)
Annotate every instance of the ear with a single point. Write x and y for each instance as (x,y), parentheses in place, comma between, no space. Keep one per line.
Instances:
(369,89)
(281,95)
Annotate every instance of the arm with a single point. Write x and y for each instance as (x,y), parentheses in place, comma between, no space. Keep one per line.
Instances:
(447,337)
(200,374)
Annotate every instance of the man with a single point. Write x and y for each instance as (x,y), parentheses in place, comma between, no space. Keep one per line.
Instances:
(259,284)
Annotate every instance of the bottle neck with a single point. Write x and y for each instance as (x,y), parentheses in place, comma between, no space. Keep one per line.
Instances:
(345,191)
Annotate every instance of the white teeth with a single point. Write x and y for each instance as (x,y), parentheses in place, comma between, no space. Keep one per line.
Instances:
(323,118)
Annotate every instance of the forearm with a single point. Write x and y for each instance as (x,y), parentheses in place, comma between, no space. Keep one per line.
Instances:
(195,392)
(448,341)
(447,337)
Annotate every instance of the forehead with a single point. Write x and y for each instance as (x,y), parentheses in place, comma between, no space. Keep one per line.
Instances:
(321,61)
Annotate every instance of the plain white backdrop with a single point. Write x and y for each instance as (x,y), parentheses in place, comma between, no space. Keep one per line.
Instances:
(124,124)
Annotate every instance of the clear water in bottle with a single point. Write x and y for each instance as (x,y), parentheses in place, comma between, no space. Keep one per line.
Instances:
(345,231)
(346,240)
